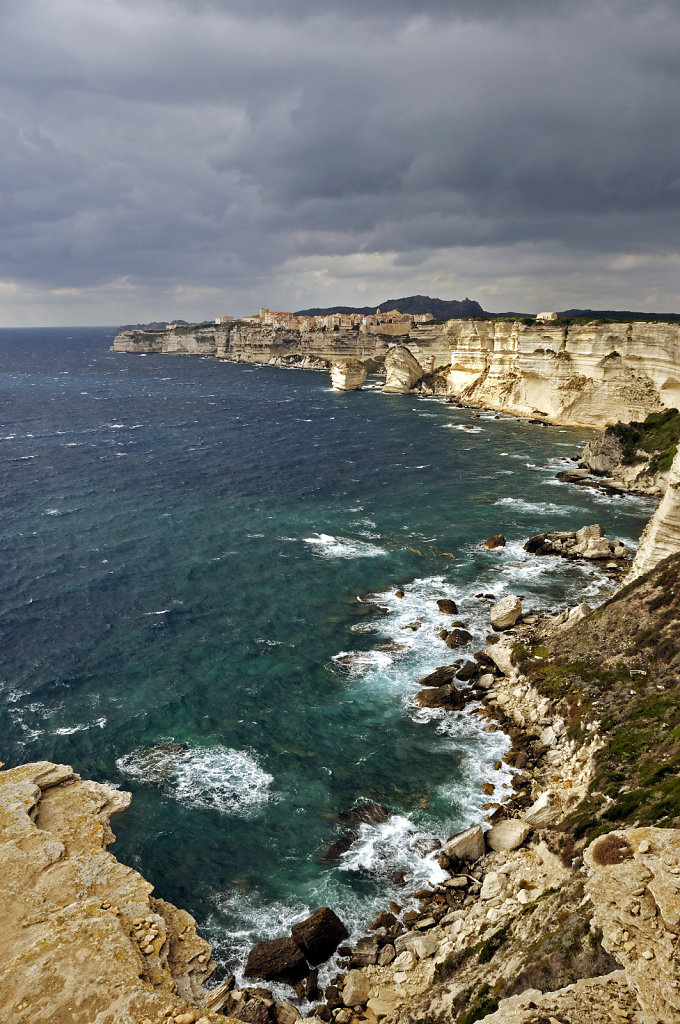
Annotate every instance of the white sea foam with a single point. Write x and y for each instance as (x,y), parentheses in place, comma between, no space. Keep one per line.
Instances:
(535,506)
(328,546)
(217,778)
(467,427)
(388,847)
(360,662)
(69,730)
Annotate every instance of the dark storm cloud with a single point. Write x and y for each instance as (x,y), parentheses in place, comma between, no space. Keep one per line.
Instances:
(169,142)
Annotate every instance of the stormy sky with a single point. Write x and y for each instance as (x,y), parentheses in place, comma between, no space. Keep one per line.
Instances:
(186,158)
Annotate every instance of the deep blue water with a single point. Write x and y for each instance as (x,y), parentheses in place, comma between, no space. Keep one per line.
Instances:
(183,542)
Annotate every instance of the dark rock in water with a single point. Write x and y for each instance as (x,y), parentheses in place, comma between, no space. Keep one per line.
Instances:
(364,814)
(341,845)
(468,671)
(497,541)
(365,952)
(572,476)
(333,997)
(324,1013)
(424,847)
(319,935)
(458,638)
(446,696)
(440,676)
(399,878)
(443,633)
(416,624)
(312,986)
(390,646)
(398,593)
(385,919)
(277,960)
(447,606)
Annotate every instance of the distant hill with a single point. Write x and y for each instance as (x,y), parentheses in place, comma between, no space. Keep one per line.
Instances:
(620,314)
(441,309)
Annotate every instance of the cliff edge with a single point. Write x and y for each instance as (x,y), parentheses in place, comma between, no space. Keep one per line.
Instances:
(81,937)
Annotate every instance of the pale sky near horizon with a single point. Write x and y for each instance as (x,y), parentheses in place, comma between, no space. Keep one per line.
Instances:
(165,159)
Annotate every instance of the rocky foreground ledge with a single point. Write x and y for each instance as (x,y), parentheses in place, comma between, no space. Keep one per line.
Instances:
(82,940)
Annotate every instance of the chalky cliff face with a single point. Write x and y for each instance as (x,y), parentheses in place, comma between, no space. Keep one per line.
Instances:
(82,936)
(579,375)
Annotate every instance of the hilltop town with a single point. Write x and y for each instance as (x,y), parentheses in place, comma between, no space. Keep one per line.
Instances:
(388,322)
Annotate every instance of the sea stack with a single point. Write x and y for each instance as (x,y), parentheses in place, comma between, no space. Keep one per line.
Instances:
(347,374)
(402,371)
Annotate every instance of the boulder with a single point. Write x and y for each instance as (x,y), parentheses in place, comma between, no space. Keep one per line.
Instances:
(572,476)
(507,835)
(447,606)
(286,1013)
(505,613)
(384,1004)
(492,886)
(252,1010)
(501,656)
(468,670)
(447,696)
(355,989)
(365,953)
(319,935)
(545,811)
(347,374)
(277,960)
(458,638)
(402,371)
(467,845)
(386,955)
(497,541)
(440,676)
(602,455)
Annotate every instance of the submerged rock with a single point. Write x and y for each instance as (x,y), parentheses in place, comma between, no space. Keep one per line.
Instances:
(363,814)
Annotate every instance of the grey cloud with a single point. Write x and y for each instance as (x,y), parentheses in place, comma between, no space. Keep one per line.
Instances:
(168,142)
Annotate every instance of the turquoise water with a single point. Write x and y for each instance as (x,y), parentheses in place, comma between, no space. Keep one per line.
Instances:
(183,543)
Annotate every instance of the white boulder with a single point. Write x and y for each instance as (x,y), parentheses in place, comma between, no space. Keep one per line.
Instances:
(506,612)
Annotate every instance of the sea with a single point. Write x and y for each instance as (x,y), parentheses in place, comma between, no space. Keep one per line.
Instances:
(187,549)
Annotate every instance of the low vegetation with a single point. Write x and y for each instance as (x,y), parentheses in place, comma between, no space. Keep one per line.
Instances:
(657,436)
(621,669)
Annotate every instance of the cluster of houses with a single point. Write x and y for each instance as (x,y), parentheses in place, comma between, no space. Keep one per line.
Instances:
(389,322)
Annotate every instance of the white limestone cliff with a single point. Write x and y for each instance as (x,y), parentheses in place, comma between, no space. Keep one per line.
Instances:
(662,533)
(347,374)
(591,374)
(402,371)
